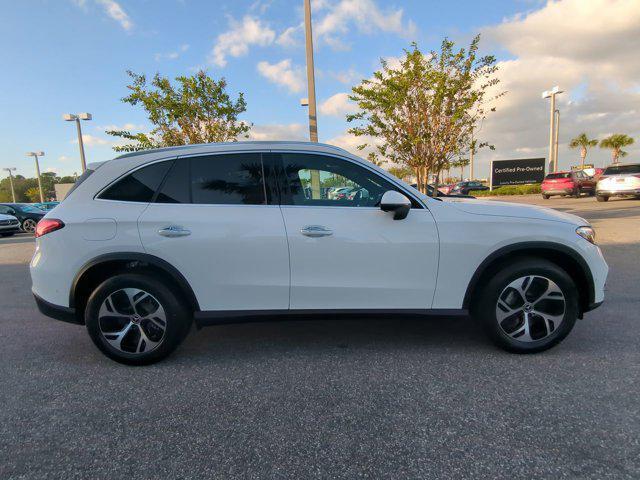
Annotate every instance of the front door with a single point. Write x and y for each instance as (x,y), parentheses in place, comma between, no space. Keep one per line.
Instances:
(213,221)
(345,252)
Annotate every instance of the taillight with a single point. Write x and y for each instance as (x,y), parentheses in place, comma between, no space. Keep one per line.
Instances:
(48,225)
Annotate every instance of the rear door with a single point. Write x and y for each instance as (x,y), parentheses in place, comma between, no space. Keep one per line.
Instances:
(213,220)
(347,254)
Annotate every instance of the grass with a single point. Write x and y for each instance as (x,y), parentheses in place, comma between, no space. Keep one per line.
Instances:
(508,190)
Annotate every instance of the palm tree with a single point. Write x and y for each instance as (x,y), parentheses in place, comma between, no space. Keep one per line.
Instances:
(584,143)
(461,162)
(615,143)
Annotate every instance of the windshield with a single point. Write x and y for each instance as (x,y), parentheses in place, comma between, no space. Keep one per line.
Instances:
(23,207)
(622,170)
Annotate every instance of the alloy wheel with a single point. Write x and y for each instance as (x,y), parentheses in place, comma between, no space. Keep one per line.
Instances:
(29,225)
(530,308)
(132,321)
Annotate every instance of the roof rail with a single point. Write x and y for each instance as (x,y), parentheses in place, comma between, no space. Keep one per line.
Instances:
(251,142)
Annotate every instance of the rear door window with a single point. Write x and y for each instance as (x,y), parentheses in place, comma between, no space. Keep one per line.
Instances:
(622,170)
(228,179)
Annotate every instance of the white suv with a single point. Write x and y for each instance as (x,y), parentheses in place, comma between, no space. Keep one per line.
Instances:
(220,233)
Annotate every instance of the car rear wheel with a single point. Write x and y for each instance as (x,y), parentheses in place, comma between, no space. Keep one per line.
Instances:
(546,197)
(135,319)
(29,225)
(602,198)
(529,306)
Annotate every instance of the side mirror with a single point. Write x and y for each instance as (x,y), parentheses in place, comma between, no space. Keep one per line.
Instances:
(397,203)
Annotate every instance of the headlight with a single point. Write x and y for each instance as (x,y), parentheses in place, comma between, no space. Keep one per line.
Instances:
(588,233)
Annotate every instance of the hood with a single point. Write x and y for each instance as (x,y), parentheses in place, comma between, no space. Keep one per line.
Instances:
(518,210)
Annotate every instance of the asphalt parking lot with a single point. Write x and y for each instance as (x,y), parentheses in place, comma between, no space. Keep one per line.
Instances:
(330,399)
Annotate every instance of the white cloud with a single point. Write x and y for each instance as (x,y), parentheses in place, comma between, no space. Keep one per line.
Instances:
(92,141)
(64,158)
(291,37)
(338,105)
(282,73)
(130,127)
(236,41)
(349,77)
(114,10)
(52,170)
(292,131)
(593,58)
(365,16)
(173,54)
(350,143)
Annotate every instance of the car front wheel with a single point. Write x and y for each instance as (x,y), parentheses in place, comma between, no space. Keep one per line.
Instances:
(602,198)
(529,306)
(135,319)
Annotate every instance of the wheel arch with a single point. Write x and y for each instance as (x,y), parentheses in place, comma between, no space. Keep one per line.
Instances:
(98,269)
(565,257)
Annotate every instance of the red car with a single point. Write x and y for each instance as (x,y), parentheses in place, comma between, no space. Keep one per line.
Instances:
(568,183)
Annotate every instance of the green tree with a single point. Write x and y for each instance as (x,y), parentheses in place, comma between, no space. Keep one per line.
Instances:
(424,111)
(584,143)
(196,110)
(403,173)
(33,194)
(461,163)
(615,143)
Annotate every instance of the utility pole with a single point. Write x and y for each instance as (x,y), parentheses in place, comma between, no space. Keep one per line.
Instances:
(555,147)
(13,193)
(471,152)
(36,155)
(552,95)
(313,119)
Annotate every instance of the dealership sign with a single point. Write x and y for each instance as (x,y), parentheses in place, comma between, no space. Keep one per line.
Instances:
(517,172)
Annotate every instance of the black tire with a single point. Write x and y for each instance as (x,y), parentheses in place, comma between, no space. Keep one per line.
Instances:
(29,225)
(546,197)
(7,234)
(178,318)
(602,198)
(484,309)
(592,193)
(576,193)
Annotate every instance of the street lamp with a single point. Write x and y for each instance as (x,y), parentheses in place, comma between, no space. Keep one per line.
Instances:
(36,155)
(552,95)
(13,193)
(70,117)
(555,146)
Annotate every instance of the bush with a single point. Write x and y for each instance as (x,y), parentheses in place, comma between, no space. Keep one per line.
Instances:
(508,190)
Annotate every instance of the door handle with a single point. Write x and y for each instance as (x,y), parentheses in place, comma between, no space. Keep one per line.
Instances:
(173,231)
(315,231)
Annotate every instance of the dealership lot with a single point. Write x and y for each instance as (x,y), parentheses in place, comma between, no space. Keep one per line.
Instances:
(356,398)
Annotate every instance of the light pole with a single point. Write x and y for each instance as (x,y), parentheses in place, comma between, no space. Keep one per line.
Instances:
(555,146)
(36,155)
(313,119)
(13,193)
(552,95)
(70,117)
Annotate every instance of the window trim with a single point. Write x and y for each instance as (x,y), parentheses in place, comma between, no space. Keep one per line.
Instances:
(283,181)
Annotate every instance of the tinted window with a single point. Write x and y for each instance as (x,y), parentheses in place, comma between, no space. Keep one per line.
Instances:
(175,188)
(233,179)
(6,210)
(328,181)
(553,176)
(139,186)
(622,170)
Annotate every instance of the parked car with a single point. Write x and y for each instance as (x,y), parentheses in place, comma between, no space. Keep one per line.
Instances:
(440,194)
(46,206)
(572,183)
(465,187)
(618,181)
(9,225)
(219,233)
(27,215)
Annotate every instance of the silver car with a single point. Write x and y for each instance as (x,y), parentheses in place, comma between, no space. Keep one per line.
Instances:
(8,225)
(619,181)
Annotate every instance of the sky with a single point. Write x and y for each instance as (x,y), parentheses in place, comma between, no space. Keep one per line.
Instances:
(71,56)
